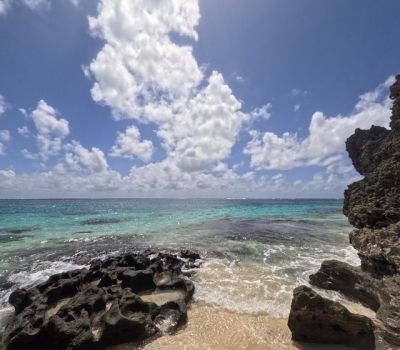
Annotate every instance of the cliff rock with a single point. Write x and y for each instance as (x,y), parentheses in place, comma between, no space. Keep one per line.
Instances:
(372,206)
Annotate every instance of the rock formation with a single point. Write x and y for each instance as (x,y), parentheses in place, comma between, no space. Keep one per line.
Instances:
(372,206)
(123,299)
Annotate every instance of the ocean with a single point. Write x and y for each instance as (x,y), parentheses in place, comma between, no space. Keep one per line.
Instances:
(256,251)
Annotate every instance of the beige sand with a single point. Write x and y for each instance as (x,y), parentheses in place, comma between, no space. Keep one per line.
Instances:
(209,328)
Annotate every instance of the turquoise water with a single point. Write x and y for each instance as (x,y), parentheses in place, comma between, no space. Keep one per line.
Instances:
(256,250)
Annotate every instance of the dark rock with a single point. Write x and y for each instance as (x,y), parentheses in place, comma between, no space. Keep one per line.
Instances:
(372,205)
(97,308)
(395,96)
(190,254)
(13,238)
(320,320)
(138,280)
(6,285)
(19,230)
(379,249)
(350,281)
(101,221)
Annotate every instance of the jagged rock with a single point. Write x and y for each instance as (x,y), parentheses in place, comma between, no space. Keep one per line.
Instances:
(379,249)
(320,320)
(379,293)
(372,205)
(101,307)
(350,281)
(395,95)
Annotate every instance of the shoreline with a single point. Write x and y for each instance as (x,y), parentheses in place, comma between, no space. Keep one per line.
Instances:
(213,328)
(254,255)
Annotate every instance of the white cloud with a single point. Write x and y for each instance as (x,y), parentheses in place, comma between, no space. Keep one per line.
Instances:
(29,155)
(7,179)
(203,129)
(4,7)
(236,166)
(50,131)
(24,131)
(261,112)
(94,160)
(163,179)
(129,145)
(38,5)
(220,167)
(139,63)
(4,137)
(296,107)
(141,74)
(23,112)
(46,122)
(326,138)
(3,104)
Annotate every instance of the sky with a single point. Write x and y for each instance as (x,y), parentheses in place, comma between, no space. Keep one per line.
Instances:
(190,98)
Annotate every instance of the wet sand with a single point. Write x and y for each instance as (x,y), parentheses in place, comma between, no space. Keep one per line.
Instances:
(210,328)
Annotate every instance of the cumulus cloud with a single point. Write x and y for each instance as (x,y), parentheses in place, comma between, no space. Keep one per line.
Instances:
(50,131)
(261,112)
(139,63)
(46,122)
(163,179)
(203,129)
(327,135)
(128,145)
(141,74)
(4,137)
(94,160)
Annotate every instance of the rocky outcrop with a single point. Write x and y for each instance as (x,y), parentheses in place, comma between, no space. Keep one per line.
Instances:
(335,324)
(372,206)
(122,299)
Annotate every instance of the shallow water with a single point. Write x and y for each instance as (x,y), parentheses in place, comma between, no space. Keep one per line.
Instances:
(256,251)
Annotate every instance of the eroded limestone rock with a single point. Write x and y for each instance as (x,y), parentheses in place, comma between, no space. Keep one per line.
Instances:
(102,306)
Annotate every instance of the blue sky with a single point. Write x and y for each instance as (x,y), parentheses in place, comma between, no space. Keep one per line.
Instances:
(185,98)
